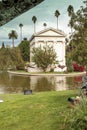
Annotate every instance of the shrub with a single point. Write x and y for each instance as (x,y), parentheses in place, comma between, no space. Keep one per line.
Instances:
(52,70)
(78,68)
(20,66)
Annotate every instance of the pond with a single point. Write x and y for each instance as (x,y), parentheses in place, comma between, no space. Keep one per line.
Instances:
(10,83)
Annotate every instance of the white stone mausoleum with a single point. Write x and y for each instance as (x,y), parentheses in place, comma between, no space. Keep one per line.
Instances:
(53,37)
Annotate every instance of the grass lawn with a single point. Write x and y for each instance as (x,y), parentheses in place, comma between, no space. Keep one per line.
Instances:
(39,111)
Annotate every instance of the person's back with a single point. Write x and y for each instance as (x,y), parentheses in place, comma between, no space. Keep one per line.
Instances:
(84,81)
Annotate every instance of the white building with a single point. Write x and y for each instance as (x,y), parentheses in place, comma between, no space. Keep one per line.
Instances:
(51,36)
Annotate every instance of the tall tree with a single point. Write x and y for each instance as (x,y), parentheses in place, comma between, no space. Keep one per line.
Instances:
(25,49)
(70,11)
(34,19)
(57,13)
(10,57)
(79,37)
(21,25)
(13,35)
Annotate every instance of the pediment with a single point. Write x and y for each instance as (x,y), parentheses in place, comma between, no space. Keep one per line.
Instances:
(51,32)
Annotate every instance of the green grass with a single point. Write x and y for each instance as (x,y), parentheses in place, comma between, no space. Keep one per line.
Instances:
(39,111)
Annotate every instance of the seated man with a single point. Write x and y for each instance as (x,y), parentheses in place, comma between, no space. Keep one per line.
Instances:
(74,100)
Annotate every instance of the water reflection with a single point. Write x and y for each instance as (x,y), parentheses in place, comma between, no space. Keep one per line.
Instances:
(41,83)
(16,84)
(11,83)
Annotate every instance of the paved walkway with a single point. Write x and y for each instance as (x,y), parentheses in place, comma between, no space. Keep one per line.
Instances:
(47,74)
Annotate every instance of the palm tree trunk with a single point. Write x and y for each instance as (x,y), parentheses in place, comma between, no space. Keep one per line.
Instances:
(34,28)
(57,23)
(13,42)
(21,34)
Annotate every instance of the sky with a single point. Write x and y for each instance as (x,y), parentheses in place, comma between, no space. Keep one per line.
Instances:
(45,14)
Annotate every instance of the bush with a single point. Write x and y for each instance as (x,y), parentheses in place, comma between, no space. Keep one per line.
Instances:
(20,67)
(52,70)
(78,68)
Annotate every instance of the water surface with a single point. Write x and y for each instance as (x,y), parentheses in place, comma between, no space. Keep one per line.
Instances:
(10,83)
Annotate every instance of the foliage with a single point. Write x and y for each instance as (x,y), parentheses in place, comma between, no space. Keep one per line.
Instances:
(20,25)
(81,53)
(44,24)
(20,66)
(13,35)
(34,19)
(77,47)
(76,119)
(70,10)
(69,63)
(9,57)
(79,68)
(71,15)
(25,50)
(44,57)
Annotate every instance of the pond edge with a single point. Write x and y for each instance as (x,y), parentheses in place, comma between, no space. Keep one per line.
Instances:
(51,74)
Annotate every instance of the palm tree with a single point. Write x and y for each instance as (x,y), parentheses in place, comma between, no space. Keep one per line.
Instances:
(13,35)
(21,25)
(57,13)
(34,19)
(70,10)
(44,24)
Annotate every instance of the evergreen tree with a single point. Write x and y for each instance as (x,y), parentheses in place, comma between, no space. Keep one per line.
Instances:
(25,50)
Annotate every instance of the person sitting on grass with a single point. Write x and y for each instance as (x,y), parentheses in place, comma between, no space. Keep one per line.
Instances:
(84,84)
(74,101)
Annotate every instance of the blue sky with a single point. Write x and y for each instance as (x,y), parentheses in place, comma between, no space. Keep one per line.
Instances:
(45,14)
